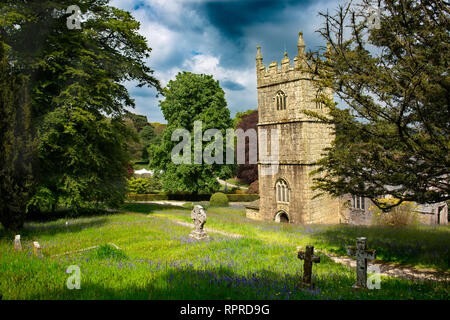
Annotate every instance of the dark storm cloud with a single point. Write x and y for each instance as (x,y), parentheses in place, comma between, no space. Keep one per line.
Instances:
(220,37)
(231,17)
(231,85)
(274,24)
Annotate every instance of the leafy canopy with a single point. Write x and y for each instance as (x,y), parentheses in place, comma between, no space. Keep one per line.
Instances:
(393,138)
(78,99)
(188,98)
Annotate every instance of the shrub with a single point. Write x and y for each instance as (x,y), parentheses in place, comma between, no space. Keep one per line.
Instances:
(399,216)
(253,188)
(143,185)
(218,199)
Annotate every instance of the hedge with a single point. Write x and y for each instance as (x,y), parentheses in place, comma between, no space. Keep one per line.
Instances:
(190,197)
(147,197)
(242,197)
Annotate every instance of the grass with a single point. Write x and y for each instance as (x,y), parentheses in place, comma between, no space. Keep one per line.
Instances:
(158,260)
(236,182)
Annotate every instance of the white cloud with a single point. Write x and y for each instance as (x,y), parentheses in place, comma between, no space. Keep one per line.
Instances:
(183,40)
(209,64)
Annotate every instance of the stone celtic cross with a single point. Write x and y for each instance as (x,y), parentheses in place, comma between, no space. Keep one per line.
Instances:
(198,216)
(362,254)
(309,258)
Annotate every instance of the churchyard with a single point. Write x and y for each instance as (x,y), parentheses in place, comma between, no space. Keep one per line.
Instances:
(145,252)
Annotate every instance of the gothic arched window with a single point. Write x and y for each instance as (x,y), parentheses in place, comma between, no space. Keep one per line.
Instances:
(281,100)
(282,191)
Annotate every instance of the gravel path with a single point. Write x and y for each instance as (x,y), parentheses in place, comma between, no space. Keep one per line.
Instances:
(396,271)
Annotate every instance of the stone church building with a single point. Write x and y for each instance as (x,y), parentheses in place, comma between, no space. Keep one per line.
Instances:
(286,195)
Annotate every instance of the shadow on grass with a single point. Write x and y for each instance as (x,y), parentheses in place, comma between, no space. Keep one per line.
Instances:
(66,213)
(224,284)
(149,207)
(424,246)
(190,284)
(52,228)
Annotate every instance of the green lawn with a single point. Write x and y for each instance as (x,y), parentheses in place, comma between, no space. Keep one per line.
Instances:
(158,260)
(236,182)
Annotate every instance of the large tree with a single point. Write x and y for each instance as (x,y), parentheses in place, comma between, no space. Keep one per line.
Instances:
(17,146)
(75,78)
(189,98)
(391,70)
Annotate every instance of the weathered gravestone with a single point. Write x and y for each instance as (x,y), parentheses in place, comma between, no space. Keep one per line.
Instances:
(198,216)
(17,243)
(362,254)
(37,249)
(309,258)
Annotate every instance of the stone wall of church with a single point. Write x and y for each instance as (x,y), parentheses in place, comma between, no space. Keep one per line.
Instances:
(301,142)
(300,94)
(301,208)
(298,142)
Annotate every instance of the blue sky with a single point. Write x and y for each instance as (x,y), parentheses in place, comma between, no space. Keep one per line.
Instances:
(219,37)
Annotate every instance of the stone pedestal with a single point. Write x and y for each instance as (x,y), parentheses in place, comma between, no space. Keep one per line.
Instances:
(199,235)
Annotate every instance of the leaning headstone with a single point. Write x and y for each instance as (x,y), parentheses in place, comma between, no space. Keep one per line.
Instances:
(37,249)
(362,254)
(309,258)
(17,243)
(198,216)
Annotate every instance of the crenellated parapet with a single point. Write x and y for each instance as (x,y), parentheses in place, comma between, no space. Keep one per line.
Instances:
(288,88)
(286,71)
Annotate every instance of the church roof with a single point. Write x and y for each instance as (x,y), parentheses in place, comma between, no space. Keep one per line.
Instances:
(253,205)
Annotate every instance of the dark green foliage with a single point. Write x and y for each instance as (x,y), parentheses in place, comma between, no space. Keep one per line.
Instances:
(189,197)
(139,121)
(75,79)
(147,134)
(218,199)
(84,158)
(189,98)
(17,146)
(145,137)
(242,197)
(148,138)
(395,136)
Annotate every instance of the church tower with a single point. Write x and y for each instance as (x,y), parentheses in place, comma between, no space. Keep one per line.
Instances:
(283,92)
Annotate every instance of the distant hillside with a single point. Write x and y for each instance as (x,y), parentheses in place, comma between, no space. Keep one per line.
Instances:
(159,127)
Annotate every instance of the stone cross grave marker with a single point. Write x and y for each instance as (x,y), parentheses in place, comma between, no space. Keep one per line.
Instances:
(17,243)
(37,249)
(309,258)
(362,254)
(198,216)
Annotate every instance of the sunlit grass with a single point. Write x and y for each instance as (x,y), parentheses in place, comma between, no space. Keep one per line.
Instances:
(157,259)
